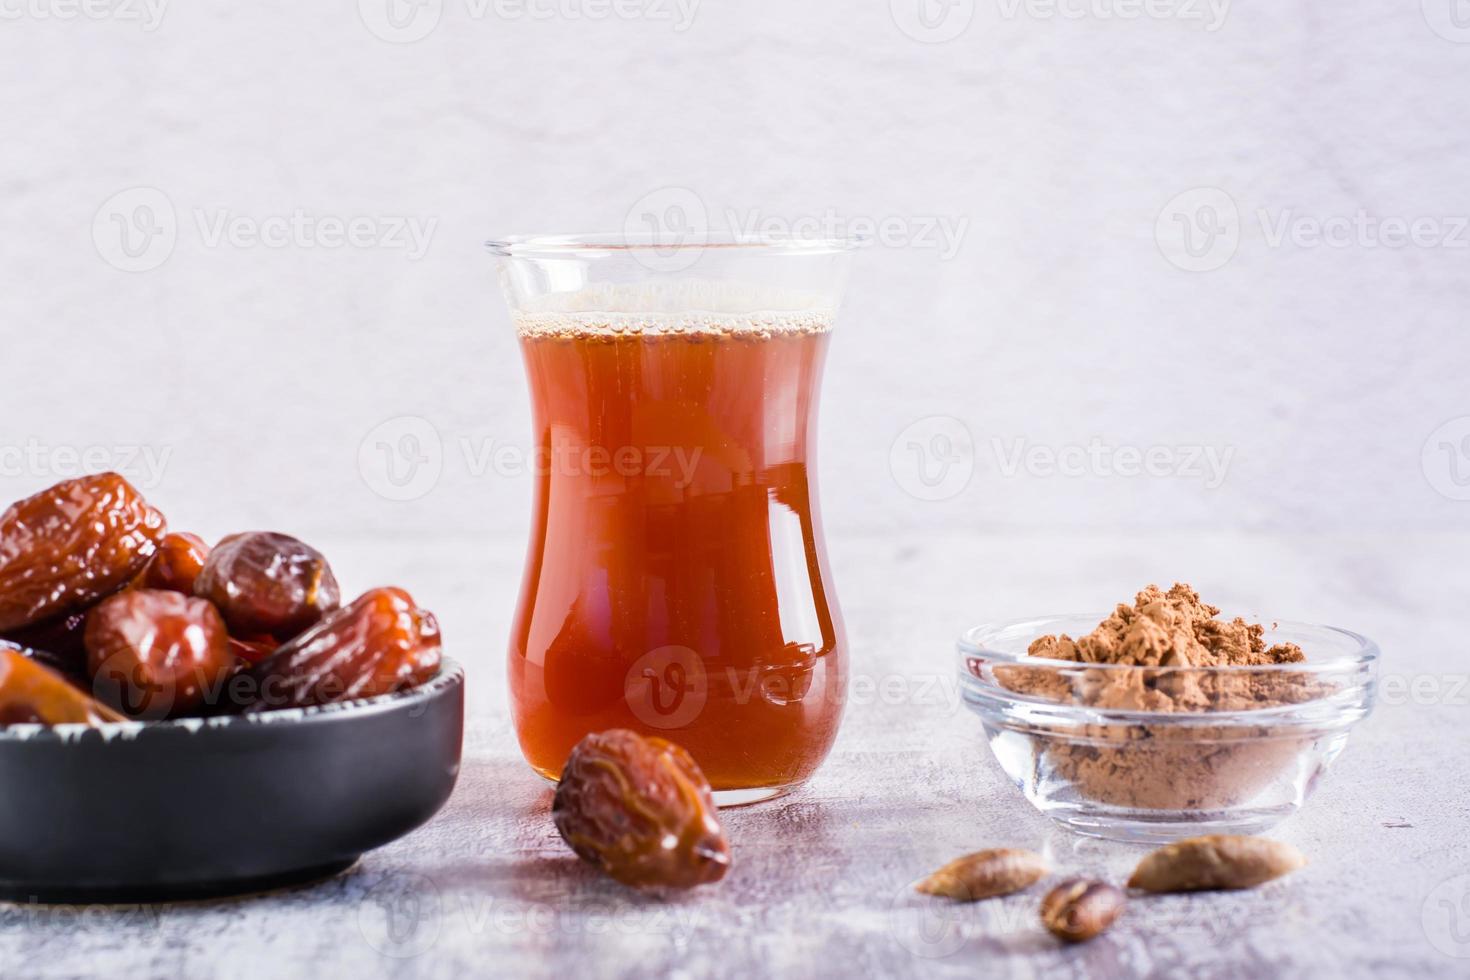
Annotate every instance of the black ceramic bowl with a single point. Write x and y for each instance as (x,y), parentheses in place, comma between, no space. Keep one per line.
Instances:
(192,808)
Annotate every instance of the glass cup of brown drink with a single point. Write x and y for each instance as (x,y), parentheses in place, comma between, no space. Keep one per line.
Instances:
(676,581)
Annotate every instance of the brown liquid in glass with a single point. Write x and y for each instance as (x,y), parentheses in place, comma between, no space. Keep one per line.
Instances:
(676,582)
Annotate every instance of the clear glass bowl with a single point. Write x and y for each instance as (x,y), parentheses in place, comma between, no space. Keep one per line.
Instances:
(1161,753)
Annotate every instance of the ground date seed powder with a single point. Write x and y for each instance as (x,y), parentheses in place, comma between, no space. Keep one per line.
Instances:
(1166,636)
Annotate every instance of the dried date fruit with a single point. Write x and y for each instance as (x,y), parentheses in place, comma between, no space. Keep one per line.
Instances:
(985,874)
(74,671)
(1078,909)
(254,649)
(32,693)
(265,582)
(158,654)
(66,547)
(1218,861)
(175,565)
(380,643)
(640,810)
(58,642)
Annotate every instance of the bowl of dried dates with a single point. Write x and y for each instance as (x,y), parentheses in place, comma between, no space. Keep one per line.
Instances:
(183,720)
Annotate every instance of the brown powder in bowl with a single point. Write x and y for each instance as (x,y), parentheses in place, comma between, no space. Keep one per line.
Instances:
(1167,766)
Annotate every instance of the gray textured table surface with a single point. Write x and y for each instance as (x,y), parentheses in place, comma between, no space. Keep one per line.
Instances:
(820,883)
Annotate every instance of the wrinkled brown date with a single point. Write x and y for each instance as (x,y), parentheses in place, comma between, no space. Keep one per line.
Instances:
(73,668)
(253,650)
(175,565)
(64,548)
(640,810)
(265,582)
(158,654)
(57,642)
(31,693)
(379,644)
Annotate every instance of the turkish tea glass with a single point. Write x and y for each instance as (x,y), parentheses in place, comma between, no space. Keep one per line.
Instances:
(676,580)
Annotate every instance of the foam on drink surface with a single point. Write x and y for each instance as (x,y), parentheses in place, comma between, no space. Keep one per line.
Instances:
(687,308)
(611,326)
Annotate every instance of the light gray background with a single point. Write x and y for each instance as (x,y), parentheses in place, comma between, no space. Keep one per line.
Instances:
(1062,148)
